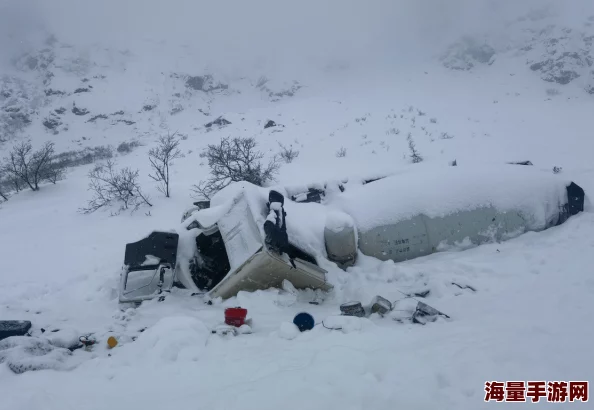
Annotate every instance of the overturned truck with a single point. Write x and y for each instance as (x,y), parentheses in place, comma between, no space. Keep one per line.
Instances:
(249,238)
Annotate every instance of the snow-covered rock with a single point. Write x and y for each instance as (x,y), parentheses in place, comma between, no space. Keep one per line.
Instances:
(22,354)
(288,330)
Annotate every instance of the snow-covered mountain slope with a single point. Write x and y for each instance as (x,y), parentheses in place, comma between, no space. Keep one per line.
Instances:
(513,305)
(559,53)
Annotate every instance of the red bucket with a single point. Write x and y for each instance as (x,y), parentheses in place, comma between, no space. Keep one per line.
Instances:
(235,316)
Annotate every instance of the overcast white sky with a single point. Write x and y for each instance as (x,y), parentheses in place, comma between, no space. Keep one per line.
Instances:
(240,30)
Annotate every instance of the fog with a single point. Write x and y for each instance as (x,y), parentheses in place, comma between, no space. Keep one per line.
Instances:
(242,33)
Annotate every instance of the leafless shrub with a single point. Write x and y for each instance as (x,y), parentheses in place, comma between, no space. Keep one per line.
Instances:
(261,81)
(234,160)
(393,131)
(445,136)
(161,159)
(433,120)
(421,113)
(341,153)
(557,170)
(127,146)
(111,186)
(33,167)
(85,156)
(414,154)
(288,154)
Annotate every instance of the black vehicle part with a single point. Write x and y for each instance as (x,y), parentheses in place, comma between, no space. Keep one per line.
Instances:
(212,263)
(575,199)
(381,305)
(369,181)
(161,245)
(277,239)
(521,163)
(202,204)
(352,309)
(297,253)
(312,195)
(10,328)
(275,196)
(575,203)
(425,313)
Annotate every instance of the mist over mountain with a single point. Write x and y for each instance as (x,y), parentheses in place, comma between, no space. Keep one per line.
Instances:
(281,35)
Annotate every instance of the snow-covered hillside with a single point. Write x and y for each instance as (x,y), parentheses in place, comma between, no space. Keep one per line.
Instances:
(519,309)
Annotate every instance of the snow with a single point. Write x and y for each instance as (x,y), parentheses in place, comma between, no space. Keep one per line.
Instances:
(150,260)
(288,331)
(464,244)
(171,339)
(22,354)
(346,324)
(519,309)
(209,216)
(271,217)
(493,332)
(305,222)
(65,337)
(338,221)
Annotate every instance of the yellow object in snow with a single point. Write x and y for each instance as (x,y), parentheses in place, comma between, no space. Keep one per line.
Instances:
(112,342)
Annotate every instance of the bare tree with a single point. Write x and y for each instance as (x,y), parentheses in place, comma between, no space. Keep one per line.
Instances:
(32,167)
(161,158)
(414,154)
(19,162)
(110,185)
(3,194)
(233,161)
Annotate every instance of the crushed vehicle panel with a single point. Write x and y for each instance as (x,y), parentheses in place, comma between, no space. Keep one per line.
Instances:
(230,252)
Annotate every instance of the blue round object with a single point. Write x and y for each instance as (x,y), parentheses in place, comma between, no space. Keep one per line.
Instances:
(304,321)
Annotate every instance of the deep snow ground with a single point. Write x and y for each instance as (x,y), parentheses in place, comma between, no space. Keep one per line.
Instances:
(528,319)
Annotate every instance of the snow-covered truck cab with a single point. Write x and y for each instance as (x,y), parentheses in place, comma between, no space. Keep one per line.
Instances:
(220,250)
